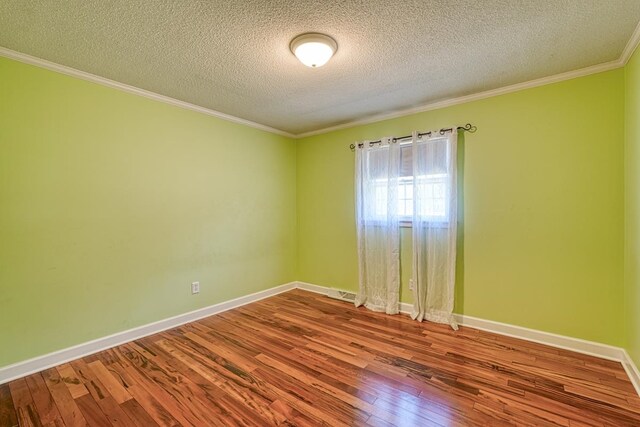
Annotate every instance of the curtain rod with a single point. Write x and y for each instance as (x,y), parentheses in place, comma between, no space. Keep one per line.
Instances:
(466,128)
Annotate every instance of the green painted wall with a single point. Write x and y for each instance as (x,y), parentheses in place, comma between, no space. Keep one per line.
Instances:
(112,204)
(542,220)
(632,206)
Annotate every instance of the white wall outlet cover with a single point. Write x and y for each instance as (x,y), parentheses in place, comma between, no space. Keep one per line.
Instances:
(412,284)
(195,287)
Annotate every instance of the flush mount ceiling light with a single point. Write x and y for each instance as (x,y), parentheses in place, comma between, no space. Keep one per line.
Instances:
(313,49)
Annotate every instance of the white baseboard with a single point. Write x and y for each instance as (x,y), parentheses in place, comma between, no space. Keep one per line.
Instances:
(21,369)
(578,345)
(406,308)
(30,366)
(632,370)
(312,288)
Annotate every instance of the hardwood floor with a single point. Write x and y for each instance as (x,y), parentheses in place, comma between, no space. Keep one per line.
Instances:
(303,359)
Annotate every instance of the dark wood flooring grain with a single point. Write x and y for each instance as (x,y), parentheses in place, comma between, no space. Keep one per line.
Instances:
(303,359)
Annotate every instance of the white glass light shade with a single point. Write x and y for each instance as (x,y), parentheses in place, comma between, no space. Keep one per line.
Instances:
(313,49)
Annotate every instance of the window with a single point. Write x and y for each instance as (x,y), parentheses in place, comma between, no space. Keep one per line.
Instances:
(433,188)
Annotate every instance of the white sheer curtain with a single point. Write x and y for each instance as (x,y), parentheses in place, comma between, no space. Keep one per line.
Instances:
(378,228)
(434,226)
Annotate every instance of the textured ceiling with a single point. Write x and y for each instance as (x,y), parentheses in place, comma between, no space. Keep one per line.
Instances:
(233,56)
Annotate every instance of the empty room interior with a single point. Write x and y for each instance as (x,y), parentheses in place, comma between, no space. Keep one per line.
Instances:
(305,213)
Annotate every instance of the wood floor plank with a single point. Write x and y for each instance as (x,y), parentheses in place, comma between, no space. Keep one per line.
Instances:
(8,415)
(137,414)
(92,412)
(46,407)
(111,383)
(23,403)
(67,406)
(89,379)
(114,412)
(302,359)
(72,381)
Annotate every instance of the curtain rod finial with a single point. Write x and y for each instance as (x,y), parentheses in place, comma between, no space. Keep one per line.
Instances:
(468,128)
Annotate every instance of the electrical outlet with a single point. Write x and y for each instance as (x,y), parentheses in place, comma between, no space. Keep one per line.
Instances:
(195,288)
(412,285)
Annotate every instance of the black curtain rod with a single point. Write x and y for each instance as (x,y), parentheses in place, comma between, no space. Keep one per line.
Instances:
(466,128)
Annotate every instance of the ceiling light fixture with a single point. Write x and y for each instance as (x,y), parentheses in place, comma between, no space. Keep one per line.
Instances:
(313,49)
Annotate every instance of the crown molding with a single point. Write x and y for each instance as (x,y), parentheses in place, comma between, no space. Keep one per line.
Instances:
(63,69)
(594,69)
(631,46)
(626,54)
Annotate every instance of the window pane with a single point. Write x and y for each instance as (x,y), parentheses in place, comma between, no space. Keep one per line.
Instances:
(430,187)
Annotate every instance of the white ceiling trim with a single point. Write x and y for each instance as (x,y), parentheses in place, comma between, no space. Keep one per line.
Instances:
(631,46)
(473,97)
(43,63)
